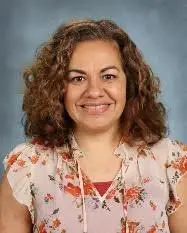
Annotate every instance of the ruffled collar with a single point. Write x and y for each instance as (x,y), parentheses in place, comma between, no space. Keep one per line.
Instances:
(72,154)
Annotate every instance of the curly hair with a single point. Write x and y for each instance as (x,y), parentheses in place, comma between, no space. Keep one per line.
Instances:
(45,117)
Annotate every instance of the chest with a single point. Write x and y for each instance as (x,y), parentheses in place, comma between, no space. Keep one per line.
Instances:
(101,170)
(140,188)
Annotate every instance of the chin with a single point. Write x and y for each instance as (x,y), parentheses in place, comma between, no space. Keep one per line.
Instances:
(96,126)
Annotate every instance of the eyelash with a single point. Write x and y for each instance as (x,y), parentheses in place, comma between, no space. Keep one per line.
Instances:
(74,79)
(112,75)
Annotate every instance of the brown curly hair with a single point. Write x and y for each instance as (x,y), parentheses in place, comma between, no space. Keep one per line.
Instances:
(45,117)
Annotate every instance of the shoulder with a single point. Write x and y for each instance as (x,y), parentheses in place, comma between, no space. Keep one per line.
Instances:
(26,154)
(165,150)
(169,147)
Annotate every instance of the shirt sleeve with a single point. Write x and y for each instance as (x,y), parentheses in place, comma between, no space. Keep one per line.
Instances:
(176,168)
(19,173)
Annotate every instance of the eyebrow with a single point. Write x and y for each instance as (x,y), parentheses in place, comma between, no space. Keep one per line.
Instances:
(83,72)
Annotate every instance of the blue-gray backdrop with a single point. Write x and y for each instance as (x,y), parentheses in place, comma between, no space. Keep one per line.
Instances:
(159,28)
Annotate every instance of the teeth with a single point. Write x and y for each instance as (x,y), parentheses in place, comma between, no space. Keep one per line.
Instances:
(95,106)
(95,109)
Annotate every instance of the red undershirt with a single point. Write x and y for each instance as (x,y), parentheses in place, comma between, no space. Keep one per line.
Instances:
(102,187)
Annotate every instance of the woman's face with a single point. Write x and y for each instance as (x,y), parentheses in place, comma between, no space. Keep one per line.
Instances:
(95,93)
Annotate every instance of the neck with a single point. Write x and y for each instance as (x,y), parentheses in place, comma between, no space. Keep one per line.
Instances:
(93,144)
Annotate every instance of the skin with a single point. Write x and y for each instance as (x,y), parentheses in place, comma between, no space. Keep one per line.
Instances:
(93,85)
(99,80)
(14,217)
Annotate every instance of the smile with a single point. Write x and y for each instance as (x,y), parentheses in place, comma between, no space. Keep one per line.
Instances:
(95,109)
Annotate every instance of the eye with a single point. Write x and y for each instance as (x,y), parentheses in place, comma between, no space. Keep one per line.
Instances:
(109,76)
(77,79)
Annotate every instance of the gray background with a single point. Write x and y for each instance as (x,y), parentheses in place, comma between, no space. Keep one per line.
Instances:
(159,28)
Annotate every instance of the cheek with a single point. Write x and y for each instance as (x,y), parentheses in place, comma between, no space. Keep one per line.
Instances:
(70,97)
(119,92)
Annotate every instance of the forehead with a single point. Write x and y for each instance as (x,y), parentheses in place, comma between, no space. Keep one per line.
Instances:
(95,52)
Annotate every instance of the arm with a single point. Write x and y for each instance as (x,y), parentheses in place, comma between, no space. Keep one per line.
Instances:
(178,220)
(14,217)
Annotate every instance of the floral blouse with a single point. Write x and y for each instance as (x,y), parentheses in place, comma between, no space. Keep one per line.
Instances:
(61,198)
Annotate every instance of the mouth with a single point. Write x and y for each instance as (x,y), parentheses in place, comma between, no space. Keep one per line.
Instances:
(95,109)
(93,105)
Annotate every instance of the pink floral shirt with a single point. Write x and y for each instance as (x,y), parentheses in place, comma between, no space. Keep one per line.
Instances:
(61,198)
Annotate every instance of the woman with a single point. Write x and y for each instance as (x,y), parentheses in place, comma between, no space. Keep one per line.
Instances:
(97,158)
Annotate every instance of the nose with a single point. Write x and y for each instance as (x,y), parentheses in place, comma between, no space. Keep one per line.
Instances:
(94,88)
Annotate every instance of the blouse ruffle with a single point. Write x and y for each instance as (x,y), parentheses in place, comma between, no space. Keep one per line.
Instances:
(19,163)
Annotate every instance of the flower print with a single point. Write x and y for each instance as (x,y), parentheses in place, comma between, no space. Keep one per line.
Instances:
(61,186)
(123,225)
(134,195)
(42,228)
(146,180)
(128,225)
(70,176)
(52,178)
(88,188)
(163,224)
(56,223)
(34,189)
(173,203)
(55,211)
(59,176)
(34,159)
(12,158)
(132,226)
(153,229)
(95,202)
(44,162)
(28,175)
(104,206)
(65,156)
(63,231)
(59,171)
(20,162)
(180,164)
(48,197)
(153,205)
(80,218)
(72,189)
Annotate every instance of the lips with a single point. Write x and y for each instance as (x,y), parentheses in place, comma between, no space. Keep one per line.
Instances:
(94,109)
(93,105)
